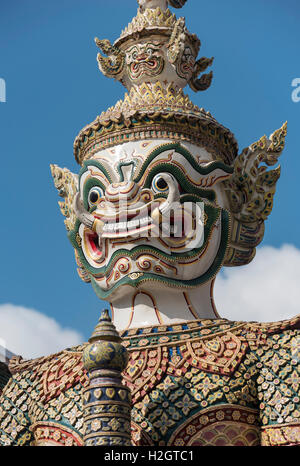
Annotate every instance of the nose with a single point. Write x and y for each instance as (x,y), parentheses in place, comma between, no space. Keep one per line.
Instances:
(124,191)
(141,57)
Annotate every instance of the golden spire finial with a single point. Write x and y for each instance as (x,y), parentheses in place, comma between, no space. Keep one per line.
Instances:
(162,4)
(107,402)
(155,47)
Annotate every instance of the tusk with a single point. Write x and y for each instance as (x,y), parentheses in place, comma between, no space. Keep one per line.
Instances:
(156,216)
(165,206)
(85,217)
(173,195)
(98,228)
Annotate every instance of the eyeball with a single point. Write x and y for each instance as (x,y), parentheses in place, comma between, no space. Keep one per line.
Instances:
(159,184)
(149,51)
(95,195)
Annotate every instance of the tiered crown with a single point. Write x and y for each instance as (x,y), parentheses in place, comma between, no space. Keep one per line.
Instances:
(155,46)
(155,57)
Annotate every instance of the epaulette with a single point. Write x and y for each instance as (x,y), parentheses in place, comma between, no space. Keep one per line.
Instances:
(275,327)
(258,333)
(55,373)
(18,365)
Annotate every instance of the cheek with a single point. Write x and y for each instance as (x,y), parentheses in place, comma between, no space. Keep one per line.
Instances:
(221,198)
(191,61)
(131,57)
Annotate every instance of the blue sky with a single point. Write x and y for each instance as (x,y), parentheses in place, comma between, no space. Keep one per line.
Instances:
(54,88)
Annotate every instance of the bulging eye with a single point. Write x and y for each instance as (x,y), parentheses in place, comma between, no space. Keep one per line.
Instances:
(149,51)
(159,184)
(95,195)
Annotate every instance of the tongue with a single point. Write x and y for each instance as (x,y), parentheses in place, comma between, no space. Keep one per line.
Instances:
(92,240)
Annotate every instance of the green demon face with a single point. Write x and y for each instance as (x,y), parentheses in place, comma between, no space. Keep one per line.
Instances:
(149,212)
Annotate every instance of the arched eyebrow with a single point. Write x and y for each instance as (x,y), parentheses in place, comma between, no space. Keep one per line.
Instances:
(202,170)
(185,184)
(94,163)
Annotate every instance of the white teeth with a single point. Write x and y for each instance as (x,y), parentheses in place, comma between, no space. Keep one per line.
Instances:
(132,223)
(123,226)
(145,220)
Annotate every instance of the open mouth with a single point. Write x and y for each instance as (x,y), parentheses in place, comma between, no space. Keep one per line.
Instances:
(174,230)
(94,245)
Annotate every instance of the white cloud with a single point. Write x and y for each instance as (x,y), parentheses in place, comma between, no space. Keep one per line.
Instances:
(32,334)
(266,290)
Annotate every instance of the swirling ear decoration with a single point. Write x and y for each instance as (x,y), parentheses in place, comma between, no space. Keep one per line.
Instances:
(113,65)
(250,192)
(66,183)
(177,41)
(203,83)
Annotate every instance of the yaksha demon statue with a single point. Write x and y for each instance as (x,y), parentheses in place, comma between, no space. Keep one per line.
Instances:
(162,201)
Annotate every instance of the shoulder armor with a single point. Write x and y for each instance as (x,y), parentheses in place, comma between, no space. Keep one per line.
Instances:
(275,327)
(56,373)
(17,364)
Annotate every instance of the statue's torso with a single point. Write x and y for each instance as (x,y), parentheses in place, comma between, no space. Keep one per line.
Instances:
(209,382)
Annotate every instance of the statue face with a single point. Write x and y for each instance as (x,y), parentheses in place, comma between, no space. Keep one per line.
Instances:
(149,59)
(150,211)
(186,65)
(145,60)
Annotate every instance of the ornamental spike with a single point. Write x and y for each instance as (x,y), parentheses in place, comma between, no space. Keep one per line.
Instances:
(163,4)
